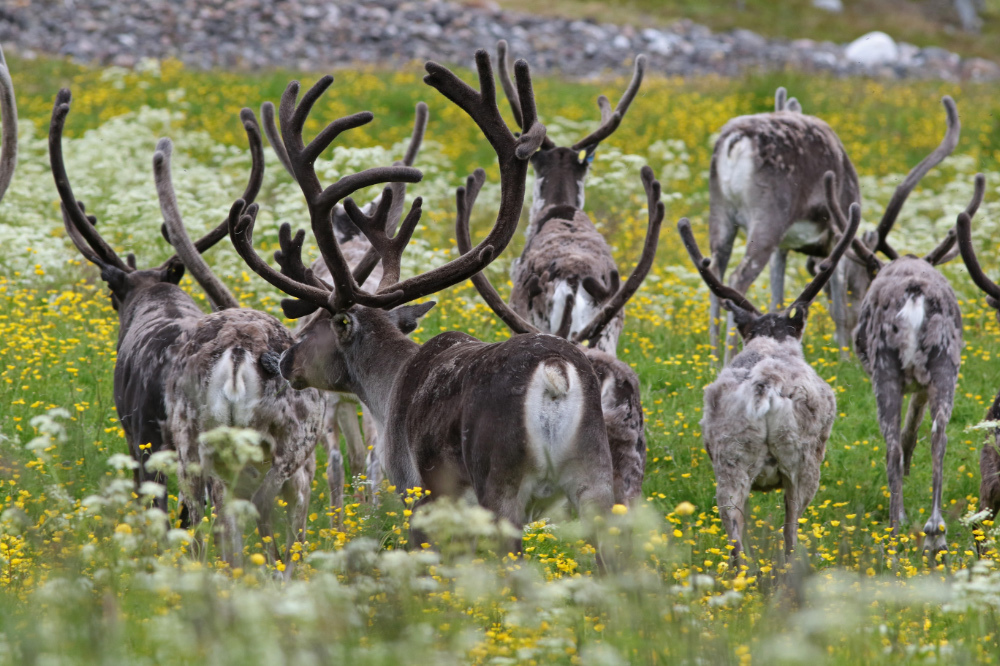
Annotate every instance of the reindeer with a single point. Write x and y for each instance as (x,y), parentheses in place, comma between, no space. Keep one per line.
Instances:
(768,415)
(909,340)
(341,408)
(515,423)
(566,273)
(154,314)
(8,134)
(620,398)
(989,457)
(225,373)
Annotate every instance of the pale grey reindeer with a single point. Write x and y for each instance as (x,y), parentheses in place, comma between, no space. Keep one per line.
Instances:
(989,457)
(620,396)
(225,373)
(768,415)
(341,410)
(154,313)
(566,273)
(909,340)
(767,178)
(8,133)
(517,423)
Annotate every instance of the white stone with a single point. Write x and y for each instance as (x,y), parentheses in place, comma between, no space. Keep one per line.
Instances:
(875,48)
(833,6)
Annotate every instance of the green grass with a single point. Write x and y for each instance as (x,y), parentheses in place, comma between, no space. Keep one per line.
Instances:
(919,22)
(115,589)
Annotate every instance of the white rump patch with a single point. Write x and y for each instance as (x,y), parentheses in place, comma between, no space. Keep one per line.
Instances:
(735,168)
(553,409)
(584,308)
(233,390)
(912,314)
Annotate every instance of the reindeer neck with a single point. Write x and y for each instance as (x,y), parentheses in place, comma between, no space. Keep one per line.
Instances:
(157,303)
(374,364)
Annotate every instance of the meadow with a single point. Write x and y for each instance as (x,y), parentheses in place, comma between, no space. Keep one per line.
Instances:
(90,573)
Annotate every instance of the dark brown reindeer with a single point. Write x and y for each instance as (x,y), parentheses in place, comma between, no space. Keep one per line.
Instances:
(153,312)
(8,118)
(768,415)
(909,340)
(989,457)
(514,423)
(341,409)
(767,178)
(225,373)
(566,273)
(620,398)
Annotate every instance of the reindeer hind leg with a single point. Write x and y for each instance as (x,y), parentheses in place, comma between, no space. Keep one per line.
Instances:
(942,396)
(911,426)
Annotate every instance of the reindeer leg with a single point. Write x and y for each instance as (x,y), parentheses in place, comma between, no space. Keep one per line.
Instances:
(887,381)
(732,494)
(779,259)
(228,537)
(263,501)
(335,484)
(722,234)
(837,289)
(296,492)
(347,419)
(914,416)
(942,396)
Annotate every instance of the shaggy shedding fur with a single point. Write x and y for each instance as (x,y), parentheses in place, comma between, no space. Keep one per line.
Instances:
(549,279)
(767,418)
(766,178)
(989,465)
(224,376)
(909,340)
(623,420)
(8,119)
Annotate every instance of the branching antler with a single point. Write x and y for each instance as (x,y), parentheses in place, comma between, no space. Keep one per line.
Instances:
(899,197)
(610,119)
(510,91)
(8,118)
(217,292)
(592,331)
(964,228)
(374,228)
(947,251)
(702,265)
(865,256)
(828,265)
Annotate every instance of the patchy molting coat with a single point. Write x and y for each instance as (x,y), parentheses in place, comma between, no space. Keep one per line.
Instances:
(989,465)
(225,374)
(767,418)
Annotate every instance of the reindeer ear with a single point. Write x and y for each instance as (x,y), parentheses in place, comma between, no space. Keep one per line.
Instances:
(174,272)
(117,280)
(406,317)
(743,318)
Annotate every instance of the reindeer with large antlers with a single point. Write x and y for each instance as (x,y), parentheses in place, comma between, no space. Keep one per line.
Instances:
(153,312)
(909,340)
(989,456)
(767,178)
(341,409)
(8,120)
(768,415)
(566,273)
(517,422)
(620,397)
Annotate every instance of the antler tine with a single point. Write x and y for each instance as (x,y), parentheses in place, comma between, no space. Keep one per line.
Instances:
(374,228)
(217,292)
(71,206)
(868,258)
(8,117)
(828,265)
(510,91)
(899,197)
(592,331)
(702,264)
(274,136)
(321,201)
(780,95)
(964,227)
(610,124)
(420,115)
(465,199)
(289,257)
(78,240)
(241,224)
(250,192)
(946,251)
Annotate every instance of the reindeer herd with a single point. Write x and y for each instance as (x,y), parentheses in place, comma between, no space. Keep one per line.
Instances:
(550,413)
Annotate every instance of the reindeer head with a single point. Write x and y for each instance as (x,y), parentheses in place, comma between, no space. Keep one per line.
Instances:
(751,323)
(358,328)
(863,264)
(8,117)
(560,171)
(124,279)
